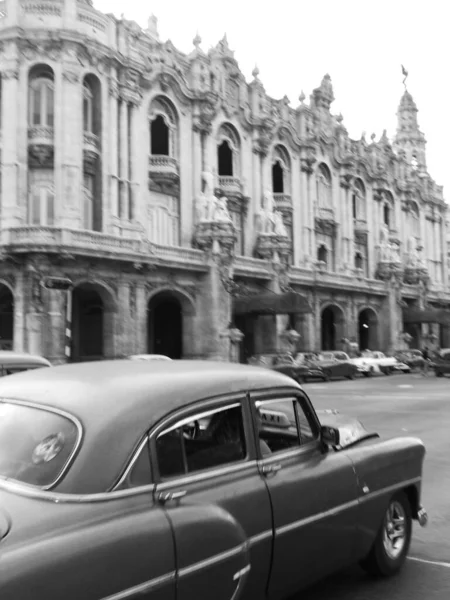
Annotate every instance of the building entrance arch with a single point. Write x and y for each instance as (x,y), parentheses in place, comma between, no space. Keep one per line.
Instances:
(368,330)
(92,323)
(331,327)
(169,324)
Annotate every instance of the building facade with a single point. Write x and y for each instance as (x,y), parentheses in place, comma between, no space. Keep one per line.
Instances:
(195,215)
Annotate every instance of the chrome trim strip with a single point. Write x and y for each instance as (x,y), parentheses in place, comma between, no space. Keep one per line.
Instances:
(23,489)
(242,572)
(260,537)
(390,488)
(198,417)
(132,462)
(343,507)
(212,560)
(61,413)
(142,588)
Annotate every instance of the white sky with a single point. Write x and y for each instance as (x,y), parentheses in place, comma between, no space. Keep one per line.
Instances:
(360,43)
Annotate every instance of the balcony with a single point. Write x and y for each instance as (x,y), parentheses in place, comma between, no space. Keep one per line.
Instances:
(163,172)
(229,185)
(283,202)
(325,214)
(40,146)
(95,243)
(91,151)
(360,226)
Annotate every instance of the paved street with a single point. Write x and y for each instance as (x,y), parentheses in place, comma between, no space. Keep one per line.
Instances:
(401,405)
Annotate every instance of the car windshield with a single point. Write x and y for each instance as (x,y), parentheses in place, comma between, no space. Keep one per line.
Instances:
(35,444)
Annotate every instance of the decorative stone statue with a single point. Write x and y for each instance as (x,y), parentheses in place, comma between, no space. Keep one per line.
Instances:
(279,226)
(206,201)
(385,250)
(221,214)
(266,215)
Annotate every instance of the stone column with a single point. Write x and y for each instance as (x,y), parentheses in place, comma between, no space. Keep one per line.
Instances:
(34,316)
(56,319)
(141,320)
(124,322)
(297,216)
(444,259)
(124,196)
(19,311)
(68,166)
(113,151)
(10,160)
(303,217)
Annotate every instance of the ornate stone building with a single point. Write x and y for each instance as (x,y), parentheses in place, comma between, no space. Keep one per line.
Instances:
(194,214)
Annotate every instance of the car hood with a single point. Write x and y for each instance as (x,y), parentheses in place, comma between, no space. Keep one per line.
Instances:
(351,431)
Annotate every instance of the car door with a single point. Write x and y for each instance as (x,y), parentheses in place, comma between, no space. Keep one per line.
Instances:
(205,465)
(313,493)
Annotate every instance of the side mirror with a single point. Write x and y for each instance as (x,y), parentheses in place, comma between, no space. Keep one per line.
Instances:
(330,435)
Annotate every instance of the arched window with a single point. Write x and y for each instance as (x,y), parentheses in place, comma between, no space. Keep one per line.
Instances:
(42,209)
(225,159)
(163,128)
(88,108)
(41,102)
(387,215)
(323,182)
(277,178)
(322,254)
(160,137)
(359,261)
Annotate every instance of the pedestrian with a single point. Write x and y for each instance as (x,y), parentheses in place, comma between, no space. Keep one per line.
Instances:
(426,361)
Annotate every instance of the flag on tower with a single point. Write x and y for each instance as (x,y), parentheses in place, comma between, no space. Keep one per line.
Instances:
(405,74)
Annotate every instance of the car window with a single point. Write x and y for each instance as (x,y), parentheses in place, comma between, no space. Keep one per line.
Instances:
(35,444)
(202,441)
(282,425)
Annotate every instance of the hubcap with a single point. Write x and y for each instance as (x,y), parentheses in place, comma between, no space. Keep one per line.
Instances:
(394,532)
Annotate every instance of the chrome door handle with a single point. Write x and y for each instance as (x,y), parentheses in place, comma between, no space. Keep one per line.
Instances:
(168,496)
(269,469)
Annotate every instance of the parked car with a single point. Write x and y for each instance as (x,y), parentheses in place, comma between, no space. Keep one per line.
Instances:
(283,362)
(344,366)
(16,362)
(441,362)
(386,364)
(327,364)
(413,358)
(148,357)
(134,497)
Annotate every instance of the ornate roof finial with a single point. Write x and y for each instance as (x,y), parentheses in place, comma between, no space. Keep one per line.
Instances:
(372,137)
(302,97)
(255,72)
(405,75)
(197,41)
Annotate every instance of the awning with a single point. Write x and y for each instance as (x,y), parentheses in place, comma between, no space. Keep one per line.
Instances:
(429,315)
(272,304)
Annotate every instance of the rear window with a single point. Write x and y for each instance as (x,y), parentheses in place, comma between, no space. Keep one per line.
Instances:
(35,444)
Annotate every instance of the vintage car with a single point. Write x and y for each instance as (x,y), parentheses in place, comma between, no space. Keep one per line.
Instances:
(331,367)
(111,489)
(148,357)
(412,358)
(15,362)
(381,362)
(441,363)
(341,365)
(283,362)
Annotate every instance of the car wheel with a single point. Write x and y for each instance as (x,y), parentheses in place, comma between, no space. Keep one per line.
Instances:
(300,379)
(351,375)
(326,375)
(439,374)
(391,545)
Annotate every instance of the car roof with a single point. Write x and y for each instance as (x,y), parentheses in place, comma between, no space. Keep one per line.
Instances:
(9,357)
(131,394)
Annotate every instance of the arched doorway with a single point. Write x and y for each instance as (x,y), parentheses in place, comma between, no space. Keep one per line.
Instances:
(331,328)
(88,324)
(165,325)
(6,318)
(368,330)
